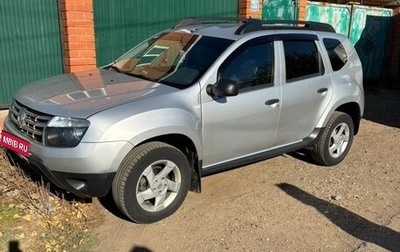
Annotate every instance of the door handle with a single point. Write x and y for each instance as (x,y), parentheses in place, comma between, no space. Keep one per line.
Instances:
(272,102)
(322,90)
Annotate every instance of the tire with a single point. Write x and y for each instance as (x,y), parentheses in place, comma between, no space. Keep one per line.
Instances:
(151,182)
(335,141)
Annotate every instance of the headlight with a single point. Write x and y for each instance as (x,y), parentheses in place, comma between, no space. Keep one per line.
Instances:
(65,131)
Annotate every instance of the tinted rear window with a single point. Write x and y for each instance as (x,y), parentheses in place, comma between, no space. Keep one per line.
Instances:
(336,52)
(302,59)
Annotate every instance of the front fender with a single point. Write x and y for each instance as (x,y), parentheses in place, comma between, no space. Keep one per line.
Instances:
(145,125)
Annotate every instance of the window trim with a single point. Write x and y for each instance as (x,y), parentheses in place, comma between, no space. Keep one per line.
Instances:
(252,42)
(295,37)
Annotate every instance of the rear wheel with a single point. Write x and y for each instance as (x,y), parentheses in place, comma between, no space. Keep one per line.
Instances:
(336,140)
(152,182)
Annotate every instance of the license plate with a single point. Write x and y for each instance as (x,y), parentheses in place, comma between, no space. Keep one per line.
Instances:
(15,144)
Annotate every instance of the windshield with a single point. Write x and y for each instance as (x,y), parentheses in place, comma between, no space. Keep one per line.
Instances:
(176,59)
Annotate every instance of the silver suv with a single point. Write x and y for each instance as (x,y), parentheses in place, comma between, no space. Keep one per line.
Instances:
(198,98)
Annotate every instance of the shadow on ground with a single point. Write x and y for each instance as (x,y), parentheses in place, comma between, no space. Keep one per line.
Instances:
(346,220)
(13,246)
(140,249)
(383,106)
(108,203)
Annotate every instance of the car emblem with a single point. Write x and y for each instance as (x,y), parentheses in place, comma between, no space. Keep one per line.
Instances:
(21,118)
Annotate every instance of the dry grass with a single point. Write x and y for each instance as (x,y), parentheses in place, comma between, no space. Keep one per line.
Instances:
(32,218)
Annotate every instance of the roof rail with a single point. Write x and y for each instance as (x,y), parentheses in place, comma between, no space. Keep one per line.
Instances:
(206,20)
(258,25)
(249,26)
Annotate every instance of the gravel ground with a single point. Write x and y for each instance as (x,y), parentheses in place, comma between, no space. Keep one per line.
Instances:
(287,203)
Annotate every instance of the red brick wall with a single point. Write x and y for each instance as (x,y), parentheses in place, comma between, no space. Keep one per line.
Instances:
(245,9)
(302,9)
(78,35)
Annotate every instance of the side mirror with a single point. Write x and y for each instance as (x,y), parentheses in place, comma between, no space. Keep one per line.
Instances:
(224,87)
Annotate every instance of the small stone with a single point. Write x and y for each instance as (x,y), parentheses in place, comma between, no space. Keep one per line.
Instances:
(27,217)
(35,196)
(336,197)
(20,236)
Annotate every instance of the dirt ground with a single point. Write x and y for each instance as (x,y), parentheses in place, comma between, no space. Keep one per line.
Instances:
(287,203)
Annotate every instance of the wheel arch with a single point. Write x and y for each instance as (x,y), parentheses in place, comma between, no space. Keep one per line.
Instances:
(353,110)
(187,146)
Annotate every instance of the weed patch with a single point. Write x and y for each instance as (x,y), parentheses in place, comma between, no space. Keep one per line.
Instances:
(32,218)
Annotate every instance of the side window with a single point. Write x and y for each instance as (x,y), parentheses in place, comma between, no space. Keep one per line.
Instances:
(336,52)
(250,65)
(302,60)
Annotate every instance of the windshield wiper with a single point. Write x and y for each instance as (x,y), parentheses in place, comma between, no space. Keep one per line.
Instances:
(141,76)
(115,68)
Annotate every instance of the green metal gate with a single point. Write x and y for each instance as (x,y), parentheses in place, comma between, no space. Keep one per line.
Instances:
(30,44)
(119,25)
(368,28)
(280,10)
(338,15)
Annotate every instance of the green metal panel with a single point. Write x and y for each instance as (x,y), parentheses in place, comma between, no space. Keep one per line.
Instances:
(368,28)
(369,32)
(119,25)
(369,20)
(30,44)
(279,10)
(335,14)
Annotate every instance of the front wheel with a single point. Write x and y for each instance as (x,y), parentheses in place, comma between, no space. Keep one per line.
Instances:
(335,141)
(152,182)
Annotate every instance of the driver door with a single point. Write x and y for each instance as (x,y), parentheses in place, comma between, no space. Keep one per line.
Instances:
(245,124)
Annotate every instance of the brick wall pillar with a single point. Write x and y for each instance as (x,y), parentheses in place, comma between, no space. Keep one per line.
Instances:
(250,8)
(78,35)
(302,9)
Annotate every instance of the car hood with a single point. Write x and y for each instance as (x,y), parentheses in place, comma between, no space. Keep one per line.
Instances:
(85,93)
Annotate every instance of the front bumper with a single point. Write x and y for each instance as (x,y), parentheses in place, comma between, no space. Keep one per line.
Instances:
(82,185)
(86,170)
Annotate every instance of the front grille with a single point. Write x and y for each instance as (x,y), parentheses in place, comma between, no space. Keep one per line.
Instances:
(30,122)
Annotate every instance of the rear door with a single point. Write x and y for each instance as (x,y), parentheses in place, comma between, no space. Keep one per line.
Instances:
(306,87)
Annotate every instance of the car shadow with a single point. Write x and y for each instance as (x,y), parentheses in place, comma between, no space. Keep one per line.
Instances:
(354,224)
(383,106)
(108,203)
(303,155)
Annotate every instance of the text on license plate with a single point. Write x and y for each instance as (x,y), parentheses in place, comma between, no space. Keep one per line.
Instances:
(15,144)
